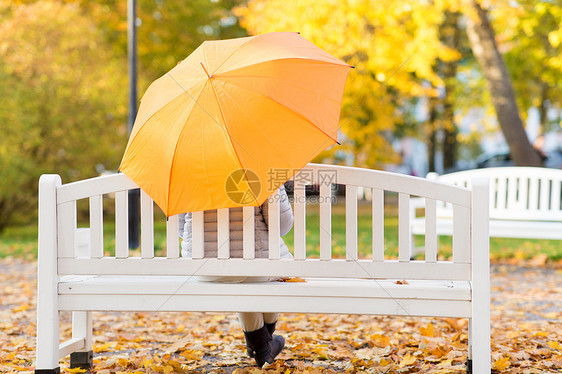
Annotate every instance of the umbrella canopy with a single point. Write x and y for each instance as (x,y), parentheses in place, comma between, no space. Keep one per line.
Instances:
(233,121)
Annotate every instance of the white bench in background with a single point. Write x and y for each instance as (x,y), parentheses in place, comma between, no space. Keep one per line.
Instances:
(525,202)
(75,275)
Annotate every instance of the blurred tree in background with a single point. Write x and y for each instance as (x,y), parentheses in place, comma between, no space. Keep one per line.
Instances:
(63,101)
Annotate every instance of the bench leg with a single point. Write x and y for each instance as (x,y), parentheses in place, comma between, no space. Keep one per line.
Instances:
(82,328)
(469,357)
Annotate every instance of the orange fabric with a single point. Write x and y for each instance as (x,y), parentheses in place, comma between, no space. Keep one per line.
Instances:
(272,102)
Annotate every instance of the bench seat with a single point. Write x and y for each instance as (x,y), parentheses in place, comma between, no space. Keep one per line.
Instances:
(316,295)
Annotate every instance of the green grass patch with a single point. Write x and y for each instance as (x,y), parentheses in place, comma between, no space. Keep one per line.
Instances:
(21,241)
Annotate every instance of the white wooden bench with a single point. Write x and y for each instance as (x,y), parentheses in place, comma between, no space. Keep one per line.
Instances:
(525,202)
(75,275)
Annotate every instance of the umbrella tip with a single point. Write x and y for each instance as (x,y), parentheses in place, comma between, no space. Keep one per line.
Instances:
(338,142)
(298,32)
(353,67)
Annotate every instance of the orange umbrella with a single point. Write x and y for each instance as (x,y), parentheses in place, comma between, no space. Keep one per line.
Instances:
(233,121)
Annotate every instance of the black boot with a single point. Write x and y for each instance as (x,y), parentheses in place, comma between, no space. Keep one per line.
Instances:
(265,346)
(271,328)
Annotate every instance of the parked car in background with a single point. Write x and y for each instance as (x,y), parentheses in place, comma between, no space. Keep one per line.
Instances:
(553,159)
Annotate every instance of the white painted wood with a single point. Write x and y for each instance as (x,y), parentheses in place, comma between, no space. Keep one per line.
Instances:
(439,288)
(299,225)
(248,243)
(523,216)
(351,223)
(480,277)
(147,225)
(94,186)
(378,224)
(82,329)
(325,221)
(198,235)
(461,236)
(326,287)
(223,234)
(404,227)
(431,238)
(66,218)
(69,346)
(96,226)
(265,267)
(47,356)
(172,238)
(82,242)
(121,224)
(545,188)
(274,226)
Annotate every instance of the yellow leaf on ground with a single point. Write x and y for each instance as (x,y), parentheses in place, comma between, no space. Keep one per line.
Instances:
(384,362)
(427,331)
(554,345)
(501,364)
(407,360)
(76,370)
(296,279)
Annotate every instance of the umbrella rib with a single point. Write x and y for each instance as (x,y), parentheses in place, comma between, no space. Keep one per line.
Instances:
(233,52)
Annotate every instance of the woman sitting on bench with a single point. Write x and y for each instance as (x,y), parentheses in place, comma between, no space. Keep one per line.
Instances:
(258,327)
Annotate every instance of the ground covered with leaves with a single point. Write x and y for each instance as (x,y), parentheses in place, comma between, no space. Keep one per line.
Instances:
(526,334)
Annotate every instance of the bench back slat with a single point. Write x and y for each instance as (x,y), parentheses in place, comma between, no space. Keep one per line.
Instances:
(299,211)
(431,239)
(198,235)
(461,236)
(147,225)
(248,239)
(378,224)
(404,227)
(274,226)
(96,226)
(351,223)
(325,221)
(66,220)
(223,234)
(121,224)
(172,238)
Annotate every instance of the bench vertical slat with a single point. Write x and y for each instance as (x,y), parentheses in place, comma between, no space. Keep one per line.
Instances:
(325,221)
(461,234)
(172,237)
(378,224)
(351,223)
(431,238)
(545,189)
(66,218)
(274,226)
(299,203)
(512,191)
(147,225)
(556,195)
(121,224)
(403,227)
(533,194)
(223,234)
(96,226)
(198,234)
(502,193)
(248,243)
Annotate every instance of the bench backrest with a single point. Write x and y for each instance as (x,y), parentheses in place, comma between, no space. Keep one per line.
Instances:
(516,193)
(81,251)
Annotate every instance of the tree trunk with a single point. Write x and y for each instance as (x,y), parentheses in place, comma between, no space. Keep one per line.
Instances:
(432,133)
(450,34)
(482,40)
(543,109)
